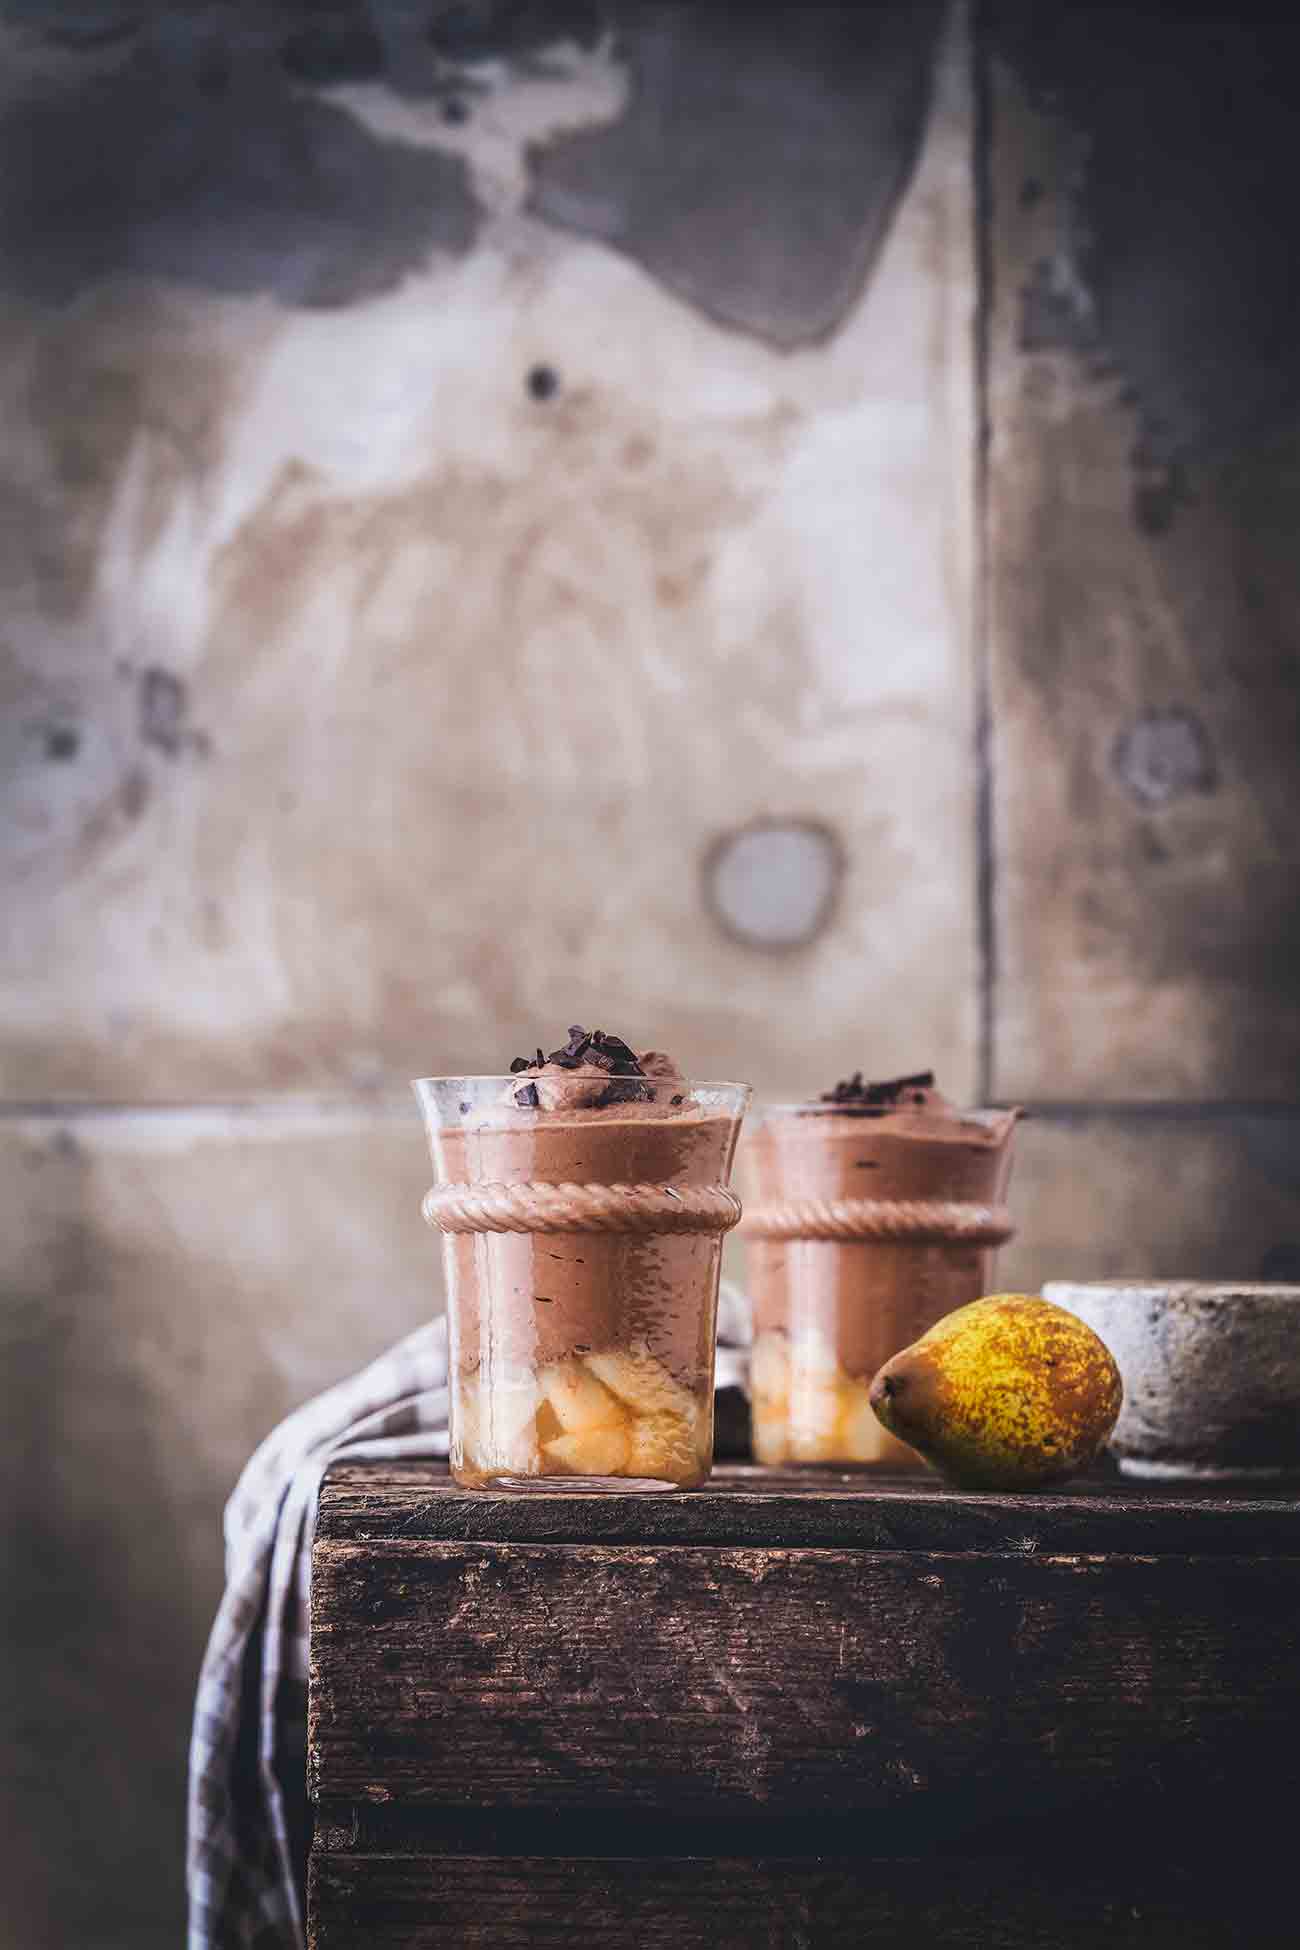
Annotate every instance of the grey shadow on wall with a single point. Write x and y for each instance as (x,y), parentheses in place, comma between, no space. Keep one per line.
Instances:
(99,1624)
(196,154)
(754,171)
(1185,271)
(1167,302)
(761,158)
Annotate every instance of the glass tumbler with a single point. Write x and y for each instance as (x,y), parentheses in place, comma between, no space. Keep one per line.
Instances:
(582,1250)
(858,1238)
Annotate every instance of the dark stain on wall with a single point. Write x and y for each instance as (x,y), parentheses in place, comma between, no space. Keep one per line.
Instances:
(485,30)
(1159,491)
(755,172)
(1054,314)
(162,710)
(163,715)
(195,159)
(133,794)
(333,44)
(1184,225)
(760,159)
(1162,755)
(62,742)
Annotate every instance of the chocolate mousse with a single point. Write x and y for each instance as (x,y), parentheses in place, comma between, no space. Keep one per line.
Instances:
(877,1209)
(583,1202)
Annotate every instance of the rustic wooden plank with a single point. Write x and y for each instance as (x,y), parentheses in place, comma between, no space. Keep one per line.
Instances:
(369,1501)
(724,1680)
(1179,1827)
(744,1903)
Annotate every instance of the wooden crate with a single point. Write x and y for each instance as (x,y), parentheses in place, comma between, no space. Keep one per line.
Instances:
(813,1709)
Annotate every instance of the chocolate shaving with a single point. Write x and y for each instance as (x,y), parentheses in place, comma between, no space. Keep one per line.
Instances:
(624,1093)
(854,1094)
(573,1052)
(601,1052)
(527,1098)
(613,1054)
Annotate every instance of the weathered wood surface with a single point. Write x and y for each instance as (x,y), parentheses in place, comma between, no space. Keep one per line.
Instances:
(726,1680)
(1182,1828)
(363,1502)
(405,1903)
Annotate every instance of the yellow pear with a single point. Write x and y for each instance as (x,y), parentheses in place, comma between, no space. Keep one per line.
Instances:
(1008,1393)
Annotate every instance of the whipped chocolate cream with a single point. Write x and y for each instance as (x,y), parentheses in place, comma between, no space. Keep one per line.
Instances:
(898,1140)
(900,1143)
(592,1071)
(592,1112)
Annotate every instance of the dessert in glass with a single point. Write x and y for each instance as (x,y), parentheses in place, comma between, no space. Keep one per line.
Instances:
(582,1201)
(875,1211)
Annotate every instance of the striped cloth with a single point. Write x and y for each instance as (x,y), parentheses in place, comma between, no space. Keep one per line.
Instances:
(248,1826)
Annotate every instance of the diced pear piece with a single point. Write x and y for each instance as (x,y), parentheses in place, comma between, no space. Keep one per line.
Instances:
(507,1425)
(665,1447)
(771,1439)
(814,1406)
(507,1407)
(516,1454)
(769,1370)
(578,1400)
(862,1439)
(813,1418)
(812,1355)
(814,1442)
(466,1419)
(641,1382)
(590,1452)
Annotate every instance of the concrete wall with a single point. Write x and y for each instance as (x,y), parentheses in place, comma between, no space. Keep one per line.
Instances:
(742,525)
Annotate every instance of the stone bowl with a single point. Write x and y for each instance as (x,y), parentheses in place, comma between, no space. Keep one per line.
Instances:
(1211,1375)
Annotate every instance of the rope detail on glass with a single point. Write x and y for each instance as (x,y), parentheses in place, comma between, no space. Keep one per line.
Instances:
(538,1207)
(912,1222)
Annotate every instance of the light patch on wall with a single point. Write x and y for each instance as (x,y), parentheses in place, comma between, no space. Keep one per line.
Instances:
(514,111)
(774,884)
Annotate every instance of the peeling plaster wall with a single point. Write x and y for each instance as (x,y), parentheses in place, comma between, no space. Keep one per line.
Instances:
(372,572)
(1143,571)
(464,492)
(513,513)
